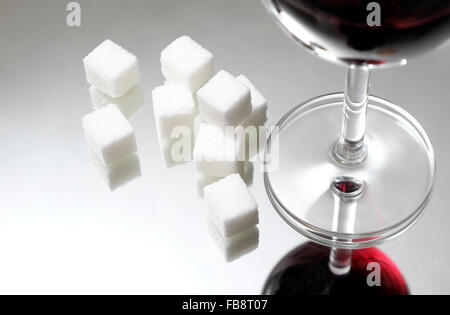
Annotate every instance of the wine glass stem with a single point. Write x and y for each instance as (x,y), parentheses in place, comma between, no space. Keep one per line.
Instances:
(350,148)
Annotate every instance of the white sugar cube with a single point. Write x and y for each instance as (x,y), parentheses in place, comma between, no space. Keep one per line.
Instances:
(109,134)
(119,172)
(258,116)
(129,103)
(224,100)
(230,205)
(217,152)
(236,246)
(111,69)
(186,62)
(173,106)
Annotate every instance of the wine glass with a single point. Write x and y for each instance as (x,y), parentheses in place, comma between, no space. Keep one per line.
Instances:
(354,170)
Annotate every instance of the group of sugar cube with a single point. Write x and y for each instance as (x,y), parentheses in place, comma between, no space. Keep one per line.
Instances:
(113,74)
(224,102)
(186,67)
(229,108)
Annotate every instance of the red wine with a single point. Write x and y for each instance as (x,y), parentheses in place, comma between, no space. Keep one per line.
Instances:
(305,271)
(339,28)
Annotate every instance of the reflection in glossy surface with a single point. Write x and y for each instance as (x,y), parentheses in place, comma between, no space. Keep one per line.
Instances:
(129,104)
(255,143)
(236,246)
(305,271)
(118,173)
(176,151)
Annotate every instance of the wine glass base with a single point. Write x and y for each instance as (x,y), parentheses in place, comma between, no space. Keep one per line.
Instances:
(398,172)
(305,271)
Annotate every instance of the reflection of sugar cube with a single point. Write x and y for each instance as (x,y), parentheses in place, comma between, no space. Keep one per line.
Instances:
(111,69)
(109,134)
(235,246)
(216,152)
(186,62)
(224,100)
(204,180)
(129,103)
(176,151)
(119,172)
(230,205)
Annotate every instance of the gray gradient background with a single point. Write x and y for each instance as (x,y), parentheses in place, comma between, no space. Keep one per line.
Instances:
(62,231)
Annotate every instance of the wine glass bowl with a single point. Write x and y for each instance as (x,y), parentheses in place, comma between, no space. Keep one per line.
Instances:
(342,31)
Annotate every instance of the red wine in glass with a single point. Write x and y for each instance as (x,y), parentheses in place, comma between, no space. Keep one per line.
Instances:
(340,29)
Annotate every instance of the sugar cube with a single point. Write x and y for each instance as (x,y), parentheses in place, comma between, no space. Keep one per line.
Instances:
(224,100)
(120,172)
(235,246)
(109,134)
(173,106)
(258,116)
(230,205)
(217,152)
(129,103)
(185,61)
(111,69)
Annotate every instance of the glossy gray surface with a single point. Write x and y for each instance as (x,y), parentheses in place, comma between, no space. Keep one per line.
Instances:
(63,231)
